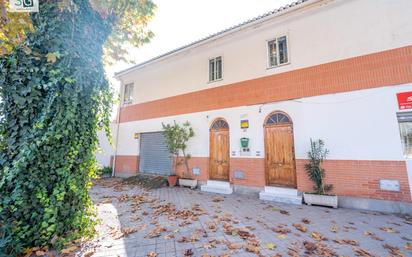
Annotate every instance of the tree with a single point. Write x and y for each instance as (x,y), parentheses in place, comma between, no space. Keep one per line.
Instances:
(176,137)
(54,98)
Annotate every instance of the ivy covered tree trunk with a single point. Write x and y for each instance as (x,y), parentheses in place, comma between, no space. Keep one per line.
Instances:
(54,97)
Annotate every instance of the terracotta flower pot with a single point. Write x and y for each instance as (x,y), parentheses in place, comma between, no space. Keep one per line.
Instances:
(172,179)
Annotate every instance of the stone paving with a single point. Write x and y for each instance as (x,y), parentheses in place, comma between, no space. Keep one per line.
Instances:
(184,222)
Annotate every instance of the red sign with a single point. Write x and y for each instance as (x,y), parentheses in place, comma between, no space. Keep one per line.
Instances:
(404,100)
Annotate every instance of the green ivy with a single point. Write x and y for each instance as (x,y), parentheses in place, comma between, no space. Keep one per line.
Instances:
(54,98)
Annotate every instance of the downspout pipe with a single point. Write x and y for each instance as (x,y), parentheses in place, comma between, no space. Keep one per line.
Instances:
(117,133)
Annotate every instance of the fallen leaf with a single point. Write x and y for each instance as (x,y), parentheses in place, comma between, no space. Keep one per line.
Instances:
(217,199)
(88,254)
(284,212)
(346,241)
(306,220)
(393,250)
(51,57)
(372,235)
(300,227)
(270,246)
(388,229)
(281,236)
(69,249)
(151,254)
(40,253)
(334,229)
(281,230)
(318,236)
(362,252)
(310,247)
(188,252)
(128,231)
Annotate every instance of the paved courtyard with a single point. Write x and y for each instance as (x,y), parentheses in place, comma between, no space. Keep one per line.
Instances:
(183,222)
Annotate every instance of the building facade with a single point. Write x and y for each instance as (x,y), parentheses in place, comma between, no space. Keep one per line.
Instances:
(257,93)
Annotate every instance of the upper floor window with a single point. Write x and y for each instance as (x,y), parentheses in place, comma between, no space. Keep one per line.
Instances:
(128,93)
(277,51)
(215,69)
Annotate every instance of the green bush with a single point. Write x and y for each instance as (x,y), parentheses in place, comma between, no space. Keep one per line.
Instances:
(104,171)
(314,169)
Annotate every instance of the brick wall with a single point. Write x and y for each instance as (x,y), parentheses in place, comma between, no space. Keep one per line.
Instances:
(199,162)
(253,170)
(349,177)
(369,71)
(126,164)
(360,178)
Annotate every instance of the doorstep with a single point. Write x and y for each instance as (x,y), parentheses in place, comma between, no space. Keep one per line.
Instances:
(281,195)
(219,187)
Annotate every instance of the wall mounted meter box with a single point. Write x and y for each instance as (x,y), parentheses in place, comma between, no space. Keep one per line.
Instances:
(244,142)
(244,146)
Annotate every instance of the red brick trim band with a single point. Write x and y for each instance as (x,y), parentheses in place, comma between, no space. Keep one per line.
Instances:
(358,178)
(385,68)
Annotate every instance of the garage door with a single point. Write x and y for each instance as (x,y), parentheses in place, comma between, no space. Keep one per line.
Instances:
(154,154)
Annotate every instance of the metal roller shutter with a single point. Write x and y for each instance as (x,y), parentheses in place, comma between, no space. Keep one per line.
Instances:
(154,154)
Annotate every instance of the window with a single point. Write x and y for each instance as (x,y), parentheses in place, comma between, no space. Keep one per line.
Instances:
(405,129)
(277,118)
(277,52)
(219,124)
(215,69)
(128,93)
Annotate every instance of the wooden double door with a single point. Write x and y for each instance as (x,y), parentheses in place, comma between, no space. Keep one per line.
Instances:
(219,151)
(279,152)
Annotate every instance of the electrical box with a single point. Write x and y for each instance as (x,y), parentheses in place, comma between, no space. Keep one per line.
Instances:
(389,184)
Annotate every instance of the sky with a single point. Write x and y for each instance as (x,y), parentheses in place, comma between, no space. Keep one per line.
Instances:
(179,22)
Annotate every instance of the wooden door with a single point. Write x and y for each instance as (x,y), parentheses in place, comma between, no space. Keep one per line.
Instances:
(280,160)
(219,154)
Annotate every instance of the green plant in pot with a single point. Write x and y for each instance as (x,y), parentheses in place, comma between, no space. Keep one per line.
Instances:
(316,174)
(176,138)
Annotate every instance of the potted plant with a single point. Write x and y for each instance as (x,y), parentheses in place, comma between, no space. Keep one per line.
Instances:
(176,137)
(316,173)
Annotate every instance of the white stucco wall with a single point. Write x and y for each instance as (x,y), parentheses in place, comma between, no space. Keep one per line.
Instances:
(358,125)
(105,150)
(326,32)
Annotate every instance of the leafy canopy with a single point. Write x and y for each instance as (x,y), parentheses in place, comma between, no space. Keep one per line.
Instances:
(177,137)
(128,18)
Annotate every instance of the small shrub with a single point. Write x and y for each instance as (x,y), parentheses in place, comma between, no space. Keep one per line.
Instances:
(313,168)
(105,171)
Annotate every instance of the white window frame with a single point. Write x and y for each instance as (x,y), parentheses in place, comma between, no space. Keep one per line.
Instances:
(208,68)
(130,93)
(268,66)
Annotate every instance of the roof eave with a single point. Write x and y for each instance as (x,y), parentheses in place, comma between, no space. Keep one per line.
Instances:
(216,36)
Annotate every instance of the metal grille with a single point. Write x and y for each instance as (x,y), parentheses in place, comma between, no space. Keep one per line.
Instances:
(220,124)
(154,154)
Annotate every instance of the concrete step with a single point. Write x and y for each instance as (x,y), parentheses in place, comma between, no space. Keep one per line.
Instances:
(281,195)
(281,191)
(219,187)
